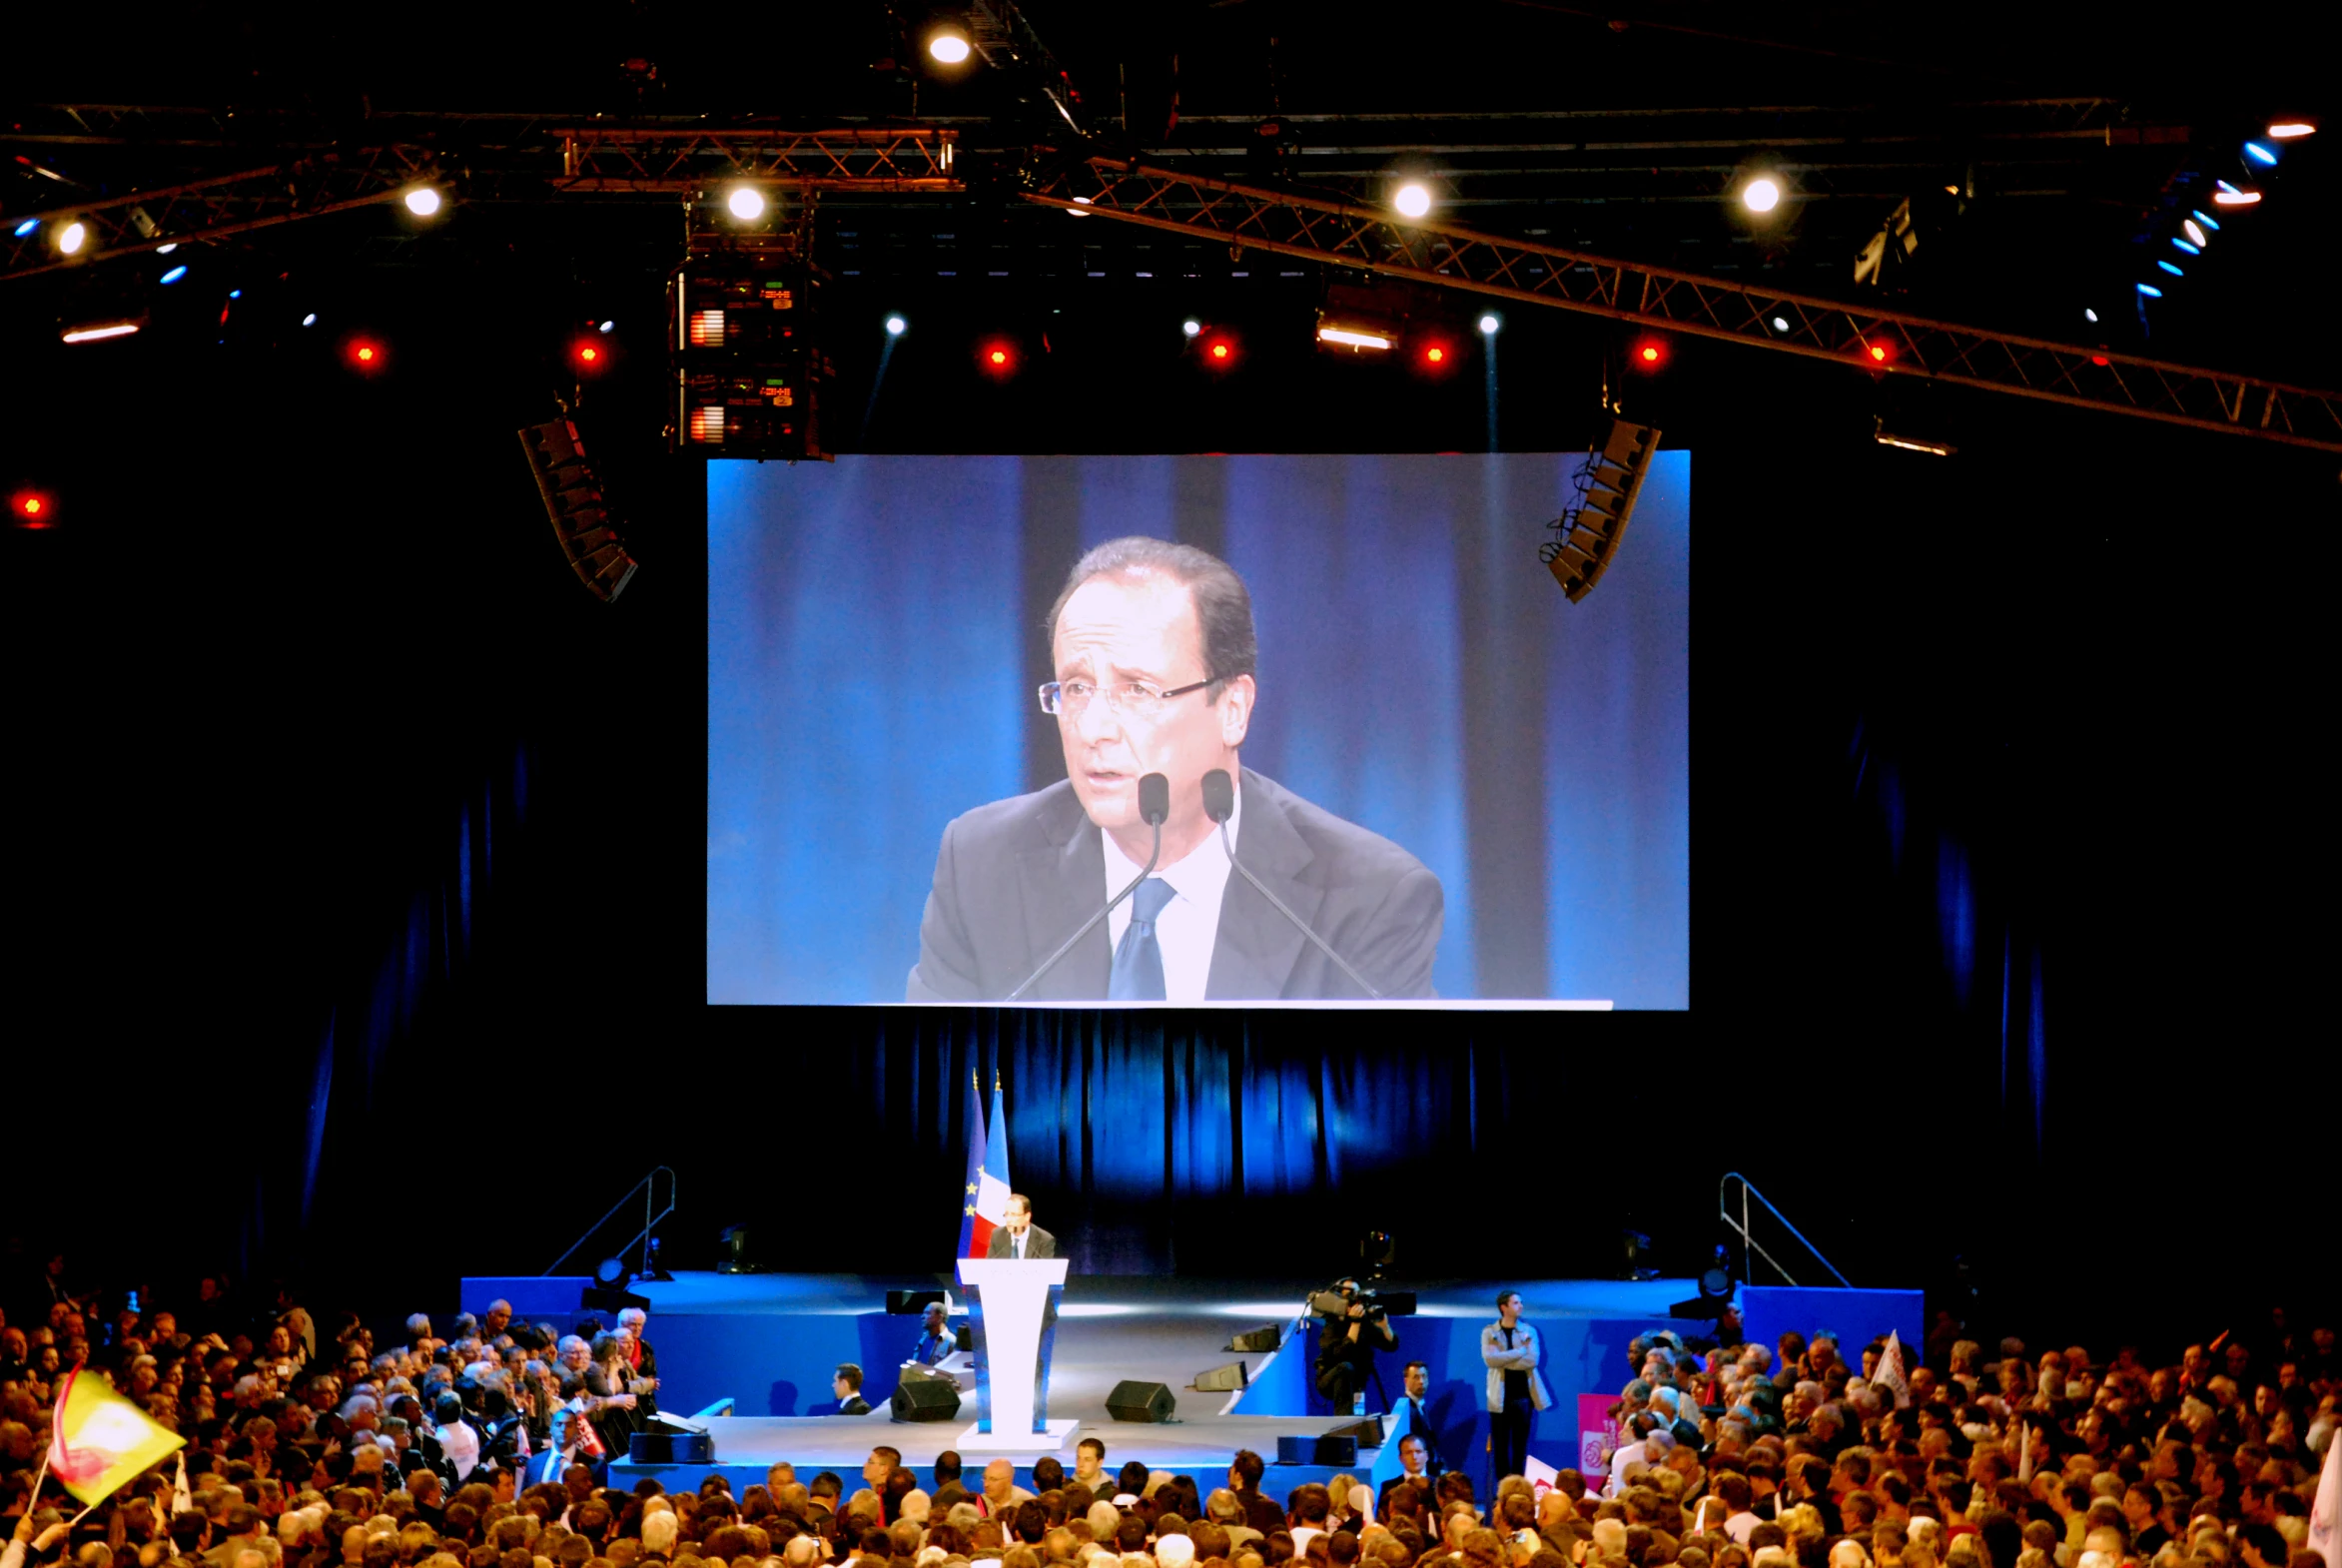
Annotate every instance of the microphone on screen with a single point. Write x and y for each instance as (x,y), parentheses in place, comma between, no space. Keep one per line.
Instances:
(1219,804)
(1153,808)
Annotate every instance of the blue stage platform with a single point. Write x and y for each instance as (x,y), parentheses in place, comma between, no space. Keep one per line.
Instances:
(770,1342)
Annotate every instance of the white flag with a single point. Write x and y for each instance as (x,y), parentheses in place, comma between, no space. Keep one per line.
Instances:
(1540,1475)
(182,1500)
(2325,1515)
(1891,1369)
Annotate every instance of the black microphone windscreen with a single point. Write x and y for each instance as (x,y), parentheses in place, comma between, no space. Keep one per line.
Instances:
(1219,795)
(1153,797)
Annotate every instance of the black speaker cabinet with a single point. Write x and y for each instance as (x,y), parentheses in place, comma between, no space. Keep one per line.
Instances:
(1253,1340)
(1339,1452)
(672,1448)
(924,1398)
(1133,1401)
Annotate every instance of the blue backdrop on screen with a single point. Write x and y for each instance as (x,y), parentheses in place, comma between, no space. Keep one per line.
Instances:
(874,642)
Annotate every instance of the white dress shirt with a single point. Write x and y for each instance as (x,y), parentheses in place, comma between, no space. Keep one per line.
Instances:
(1189,923)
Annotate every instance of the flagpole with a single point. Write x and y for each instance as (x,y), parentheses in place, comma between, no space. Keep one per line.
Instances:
(33,1499)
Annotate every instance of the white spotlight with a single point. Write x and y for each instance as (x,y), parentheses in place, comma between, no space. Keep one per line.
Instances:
(1781,324)
(422,201)
(310,319)
(2088,314)
(747,203)
(895,326)
(165,250)
(1761,194)
(71,238)
(1191,327)
(2288,130)
(949,47)
(1411,200)
(1488,325)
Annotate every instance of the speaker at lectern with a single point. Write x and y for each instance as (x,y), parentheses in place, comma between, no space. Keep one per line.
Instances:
(1014,1305)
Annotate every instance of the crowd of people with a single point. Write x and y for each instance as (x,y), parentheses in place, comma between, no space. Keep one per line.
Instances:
(488,1447)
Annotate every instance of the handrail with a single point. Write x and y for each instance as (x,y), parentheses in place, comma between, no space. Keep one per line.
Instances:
(648,1187)
(1749,1242)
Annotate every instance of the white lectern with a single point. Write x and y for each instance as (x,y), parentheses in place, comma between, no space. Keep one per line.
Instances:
(1014,1302)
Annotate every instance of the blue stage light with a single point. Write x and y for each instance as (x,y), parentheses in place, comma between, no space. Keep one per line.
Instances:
(173,275)
(2150,290)
(2205,219)
(2259,154)
(2183,245)
(27,227)
(2172,269)
(235,294)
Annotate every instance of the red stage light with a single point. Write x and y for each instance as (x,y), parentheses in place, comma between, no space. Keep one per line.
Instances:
(588,354)
(2099,359)
(998,356)
(1219,351)
(1877,353)
(32,508)
(1436,355)
(365,353)
(1650,356)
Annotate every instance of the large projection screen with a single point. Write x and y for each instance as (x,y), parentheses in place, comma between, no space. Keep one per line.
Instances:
(875,643)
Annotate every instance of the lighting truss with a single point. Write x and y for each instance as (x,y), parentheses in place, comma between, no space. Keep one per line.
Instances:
(1317,229)
(307,187)
(597,159)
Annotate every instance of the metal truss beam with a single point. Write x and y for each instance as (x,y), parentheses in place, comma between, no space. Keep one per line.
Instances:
(598,159)
(1445,256)
(594,160)
(213,208)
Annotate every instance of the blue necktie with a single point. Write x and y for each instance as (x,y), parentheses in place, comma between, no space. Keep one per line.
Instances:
(1137,968)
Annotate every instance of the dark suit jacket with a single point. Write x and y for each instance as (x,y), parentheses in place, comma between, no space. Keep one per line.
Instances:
(1038,1242)
(1016,878)
(854,1404)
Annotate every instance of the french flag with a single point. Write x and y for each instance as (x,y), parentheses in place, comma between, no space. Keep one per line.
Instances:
(991,1179)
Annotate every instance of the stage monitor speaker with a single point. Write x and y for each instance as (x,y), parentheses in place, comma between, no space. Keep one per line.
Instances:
(1135,1401)
(1326,1449)
(912,1303)
(1254,1342)
(672,1448)
(1222,1380)
(923,1396)
(737,1254)
(1366,1434)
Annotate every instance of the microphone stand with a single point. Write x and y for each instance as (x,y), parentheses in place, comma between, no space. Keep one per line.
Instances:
(1145,872)
(1340,963)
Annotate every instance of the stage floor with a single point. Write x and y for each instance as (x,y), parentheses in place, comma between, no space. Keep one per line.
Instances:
(1110,1329)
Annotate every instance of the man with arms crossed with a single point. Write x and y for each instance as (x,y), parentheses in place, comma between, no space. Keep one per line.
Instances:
(1153,648)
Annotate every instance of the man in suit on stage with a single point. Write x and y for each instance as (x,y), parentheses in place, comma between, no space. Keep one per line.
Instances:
(1152,649)
(1021,1238)
(846,1385)
(1418,1386)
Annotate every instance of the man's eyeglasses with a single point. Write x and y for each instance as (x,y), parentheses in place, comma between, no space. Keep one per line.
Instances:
(1131,699)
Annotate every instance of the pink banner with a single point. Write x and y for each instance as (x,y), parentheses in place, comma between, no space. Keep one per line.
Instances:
(1597,1436)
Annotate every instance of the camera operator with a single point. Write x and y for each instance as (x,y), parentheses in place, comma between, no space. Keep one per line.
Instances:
(1355,1328)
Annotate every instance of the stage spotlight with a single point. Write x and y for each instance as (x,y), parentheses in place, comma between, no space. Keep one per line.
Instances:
(607,326)
(2194,232)
(1649,354)
(2088,314)
(1877,353)
(1781,324)
(745,202)
(310,319)
(71,237)
(1489,326)
(1353,337)
(165,250)
(1217,349)
(2171,268)
(32,509)
(896,325)
(365,355)
(2264,156)
(2150,290)
(1435,355)
(1928,444)
(1191,327)
(948,46)
(2206,218)
(98,331)
(27,227)
(589,356)
(173,275)
(2234,196)
(1411,200)
(2290,130)
(1761,194)
(422,201)
(2183,246)
(1085,200)
(997,357)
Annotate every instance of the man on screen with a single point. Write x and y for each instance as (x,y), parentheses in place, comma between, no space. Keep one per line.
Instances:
(1152,649)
